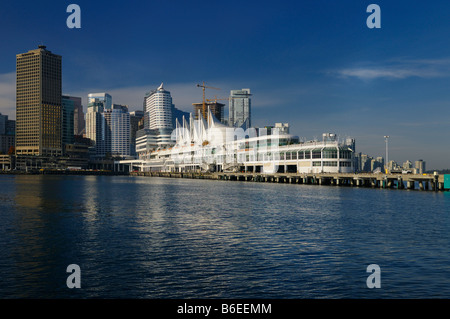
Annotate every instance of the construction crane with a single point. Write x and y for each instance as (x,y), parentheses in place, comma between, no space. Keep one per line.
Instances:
(216,99)
(226,98)
(203,86)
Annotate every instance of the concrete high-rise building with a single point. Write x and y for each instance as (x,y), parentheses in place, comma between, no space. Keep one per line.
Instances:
(357,162)
(239,111)
(117,121)
(365,162)
(420,166)
(38,103)
(376,163)
(380,160)
(99,104)
(158,109)
(407,165)
(108,126)
(95,127)
(215,108)
(393,166)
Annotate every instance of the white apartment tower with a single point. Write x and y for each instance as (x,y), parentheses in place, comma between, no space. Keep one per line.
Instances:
(158,109)
(117,122)
(108,126)
(95,127)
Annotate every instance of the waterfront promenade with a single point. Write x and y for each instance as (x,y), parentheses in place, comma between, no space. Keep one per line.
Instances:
(425,182)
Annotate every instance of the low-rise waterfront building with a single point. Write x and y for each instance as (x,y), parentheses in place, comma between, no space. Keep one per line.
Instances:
(212,146)
(7,162)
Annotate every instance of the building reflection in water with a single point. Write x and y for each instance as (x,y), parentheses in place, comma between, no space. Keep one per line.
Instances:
(44,236)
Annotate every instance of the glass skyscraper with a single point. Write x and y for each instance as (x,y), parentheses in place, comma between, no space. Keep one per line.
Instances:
(105,98)
(239,112)
(78,114)
(95,121)
(68,107)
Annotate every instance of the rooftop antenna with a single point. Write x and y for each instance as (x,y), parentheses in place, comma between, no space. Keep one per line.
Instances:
(41,45)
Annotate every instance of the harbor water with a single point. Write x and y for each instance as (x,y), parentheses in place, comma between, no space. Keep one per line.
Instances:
(156,238)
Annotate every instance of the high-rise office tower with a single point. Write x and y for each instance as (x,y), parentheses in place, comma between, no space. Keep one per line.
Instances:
(68,107)
(108,126)
(407,165)
(3,119)
(365,160)
(78,114)
(95,124)
(239,111)
(105,98)
(38,98)
(158,109)
(420,166)
(117,121)
(7,134)
(135,119)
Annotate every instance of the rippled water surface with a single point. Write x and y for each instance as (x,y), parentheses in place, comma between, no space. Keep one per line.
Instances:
(141,237)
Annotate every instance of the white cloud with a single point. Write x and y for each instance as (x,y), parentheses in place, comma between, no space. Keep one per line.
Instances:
(394,73)
(399,69)
(8,94)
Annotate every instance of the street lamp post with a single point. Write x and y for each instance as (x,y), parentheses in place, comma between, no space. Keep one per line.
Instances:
(386,137)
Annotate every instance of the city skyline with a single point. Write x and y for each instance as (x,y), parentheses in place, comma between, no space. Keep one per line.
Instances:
(314,65)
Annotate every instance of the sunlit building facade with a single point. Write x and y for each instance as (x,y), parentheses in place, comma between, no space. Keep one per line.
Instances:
(38,103)
(158,109)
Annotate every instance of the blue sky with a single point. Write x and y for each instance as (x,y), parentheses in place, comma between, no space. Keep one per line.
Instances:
(314,64)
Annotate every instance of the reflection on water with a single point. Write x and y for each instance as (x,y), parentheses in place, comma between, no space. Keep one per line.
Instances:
(37,232)
(180,238)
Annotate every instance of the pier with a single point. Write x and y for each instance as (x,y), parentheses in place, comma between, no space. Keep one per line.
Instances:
(426,182)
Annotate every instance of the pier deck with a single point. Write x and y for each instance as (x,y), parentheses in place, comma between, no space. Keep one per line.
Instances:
(426,182)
